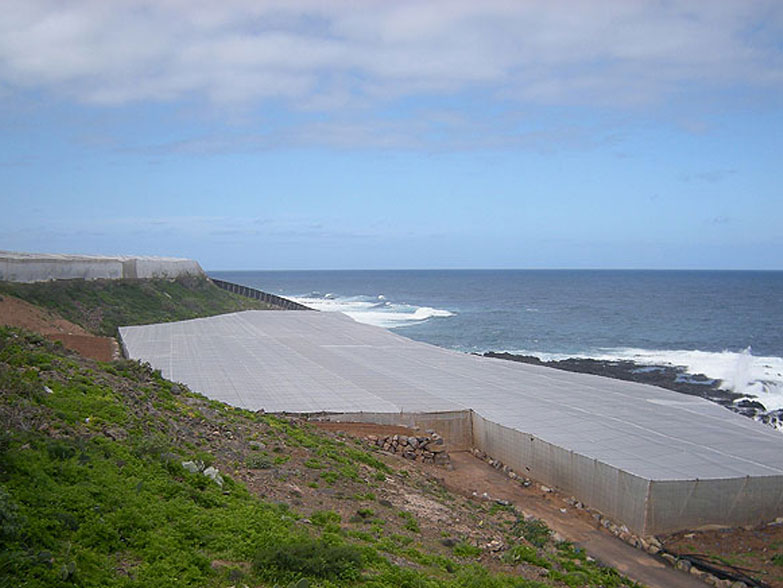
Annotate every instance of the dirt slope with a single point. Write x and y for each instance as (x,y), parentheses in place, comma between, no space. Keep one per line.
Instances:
(15,312)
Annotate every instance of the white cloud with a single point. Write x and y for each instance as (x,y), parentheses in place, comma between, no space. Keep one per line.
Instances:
(612,52)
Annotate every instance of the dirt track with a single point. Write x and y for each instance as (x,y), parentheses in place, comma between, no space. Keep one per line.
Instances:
(472,477)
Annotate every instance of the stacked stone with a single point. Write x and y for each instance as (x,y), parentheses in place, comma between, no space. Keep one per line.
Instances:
(425,449)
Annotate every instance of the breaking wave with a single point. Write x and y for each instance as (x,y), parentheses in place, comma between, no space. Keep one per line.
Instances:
(755,377)
(372,310)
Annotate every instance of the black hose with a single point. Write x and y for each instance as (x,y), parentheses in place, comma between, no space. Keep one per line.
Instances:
(708,564)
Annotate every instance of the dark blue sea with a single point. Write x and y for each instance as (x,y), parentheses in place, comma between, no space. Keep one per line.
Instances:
(727,325)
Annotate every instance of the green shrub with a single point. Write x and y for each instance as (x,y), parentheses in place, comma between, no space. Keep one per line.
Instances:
(411,524)
(330,477)
(465,549)
(327,520)
(365,513)
(525,554)
(309,557)
(10,520)
(258,462)
(534,531)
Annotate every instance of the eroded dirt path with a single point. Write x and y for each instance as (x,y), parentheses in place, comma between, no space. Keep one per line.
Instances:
(473,478)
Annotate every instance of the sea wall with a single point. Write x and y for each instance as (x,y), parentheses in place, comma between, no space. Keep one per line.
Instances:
(259,295)
(43,267)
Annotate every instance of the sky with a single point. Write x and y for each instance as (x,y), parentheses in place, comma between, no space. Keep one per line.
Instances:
(388,135)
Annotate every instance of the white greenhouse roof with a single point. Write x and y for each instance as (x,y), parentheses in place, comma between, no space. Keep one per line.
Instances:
(325,362)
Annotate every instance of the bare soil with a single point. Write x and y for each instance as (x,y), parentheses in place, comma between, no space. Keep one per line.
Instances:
(368,506)
(758,552)
(479,483)
(15,312)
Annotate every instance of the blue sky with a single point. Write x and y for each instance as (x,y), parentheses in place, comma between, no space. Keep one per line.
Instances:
(446,134)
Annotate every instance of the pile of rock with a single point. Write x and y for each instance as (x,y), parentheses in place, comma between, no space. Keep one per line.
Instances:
(426,449)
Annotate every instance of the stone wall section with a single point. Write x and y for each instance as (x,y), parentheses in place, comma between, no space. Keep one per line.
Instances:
(428,448)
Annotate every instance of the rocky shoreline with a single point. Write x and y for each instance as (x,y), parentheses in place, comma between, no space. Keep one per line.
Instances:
(664,376)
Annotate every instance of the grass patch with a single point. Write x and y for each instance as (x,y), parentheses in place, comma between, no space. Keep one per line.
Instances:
(258,462)
(315,558)
(534,531)
(465,549)
(411,524)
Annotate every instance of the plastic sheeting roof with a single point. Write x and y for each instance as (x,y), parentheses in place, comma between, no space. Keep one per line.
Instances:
(326,362)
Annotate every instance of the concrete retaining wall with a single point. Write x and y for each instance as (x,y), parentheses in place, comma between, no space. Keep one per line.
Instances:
(41,267)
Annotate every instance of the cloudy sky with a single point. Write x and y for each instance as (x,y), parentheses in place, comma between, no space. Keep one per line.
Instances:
(407,134)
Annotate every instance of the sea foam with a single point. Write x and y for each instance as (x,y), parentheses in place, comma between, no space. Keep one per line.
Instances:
(375,310)
(755,377)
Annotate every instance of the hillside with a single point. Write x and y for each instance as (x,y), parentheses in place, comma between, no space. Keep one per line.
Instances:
(93,490)
(105,481)
(100,306)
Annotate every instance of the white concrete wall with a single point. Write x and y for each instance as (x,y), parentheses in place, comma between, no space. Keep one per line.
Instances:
(38,267)
(40,270)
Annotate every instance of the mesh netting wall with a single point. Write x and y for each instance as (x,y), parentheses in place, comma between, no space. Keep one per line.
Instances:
(690,504)
(617,494)
(645,507)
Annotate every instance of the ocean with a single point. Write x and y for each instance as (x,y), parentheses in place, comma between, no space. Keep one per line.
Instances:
(727,325)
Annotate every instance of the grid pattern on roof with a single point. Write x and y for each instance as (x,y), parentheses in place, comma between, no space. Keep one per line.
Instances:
(326,362)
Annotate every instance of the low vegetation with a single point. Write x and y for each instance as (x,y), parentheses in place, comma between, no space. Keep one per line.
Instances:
(109,477)
(100,306)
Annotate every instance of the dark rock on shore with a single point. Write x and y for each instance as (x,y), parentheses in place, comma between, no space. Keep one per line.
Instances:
(669,377)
